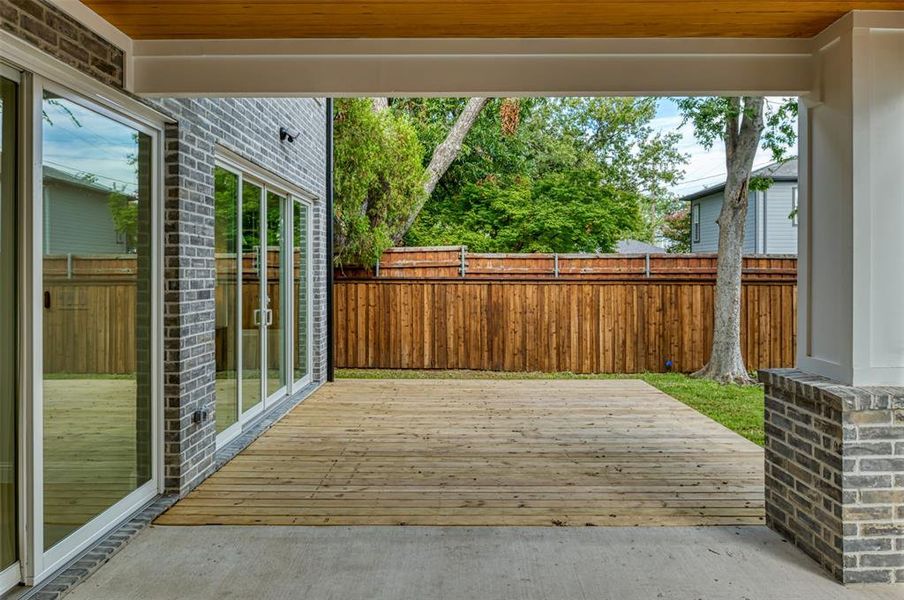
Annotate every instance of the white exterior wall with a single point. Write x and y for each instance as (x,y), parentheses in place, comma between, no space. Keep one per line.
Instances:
(851,277)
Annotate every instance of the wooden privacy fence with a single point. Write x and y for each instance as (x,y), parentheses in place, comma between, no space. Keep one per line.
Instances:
(605,314)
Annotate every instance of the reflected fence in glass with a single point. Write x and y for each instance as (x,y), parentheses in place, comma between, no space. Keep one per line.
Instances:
(97,281)
(226,197)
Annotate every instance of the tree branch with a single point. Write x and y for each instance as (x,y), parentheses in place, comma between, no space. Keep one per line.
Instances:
(442,158)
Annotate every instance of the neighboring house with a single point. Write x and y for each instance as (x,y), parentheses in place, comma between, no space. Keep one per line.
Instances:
(637,247)
(77,216)
(770,227)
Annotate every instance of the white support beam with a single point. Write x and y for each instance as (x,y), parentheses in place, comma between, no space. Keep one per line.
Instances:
(851,276)
(429,67)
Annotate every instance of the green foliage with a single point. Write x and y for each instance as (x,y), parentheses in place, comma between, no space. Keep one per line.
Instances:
(124,212)
(677,230)
(492,198)
(572,211)
(379,177)
(710,116)
(225,202)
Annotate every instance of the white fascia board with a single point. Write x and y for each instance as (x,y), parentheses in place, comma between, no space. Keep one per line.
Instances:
(493,67)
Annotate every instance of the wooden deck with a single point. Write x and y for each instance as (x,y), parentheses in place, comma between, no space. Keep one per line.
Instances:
(477,452)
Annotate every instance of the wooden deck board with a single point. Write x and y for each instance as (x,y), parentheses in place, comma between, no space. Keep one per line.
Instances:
(422,452)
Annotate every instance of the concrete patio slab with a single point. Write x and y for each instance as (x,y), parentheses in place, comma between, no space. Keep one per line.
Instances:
(451,563)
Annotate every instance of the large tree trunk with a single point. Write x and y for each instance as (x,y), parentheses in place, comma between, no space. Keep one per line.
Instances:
(742,138)
(443,156)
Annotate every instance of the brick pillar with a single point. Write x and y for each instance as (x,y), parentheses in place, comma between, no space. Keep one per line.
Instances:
(835,473)
(189,309)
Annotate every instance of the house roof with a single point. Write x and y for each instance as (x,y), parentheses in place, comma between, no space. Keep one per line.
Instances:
(777,171)
(637,247)
(54,174)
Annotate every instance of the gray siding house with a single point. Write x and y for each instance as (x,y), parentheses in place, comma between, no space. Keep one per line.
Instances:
(769,228)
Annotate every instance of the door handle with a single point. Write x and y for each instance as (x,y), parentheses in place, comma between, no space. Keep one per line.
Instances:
(269,317)
(256,316)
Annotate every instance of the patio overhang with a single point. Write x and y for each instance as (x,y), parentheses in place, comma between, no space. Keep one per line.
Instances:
(846,64)
(498,67)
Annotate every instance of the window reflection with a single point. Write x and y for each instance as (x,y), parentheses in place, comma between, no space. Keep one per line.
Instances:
(226,193)
(97,313)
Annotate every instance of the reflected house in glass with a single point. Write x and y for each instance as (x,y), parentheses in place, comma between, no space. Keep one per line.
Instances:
(79,212)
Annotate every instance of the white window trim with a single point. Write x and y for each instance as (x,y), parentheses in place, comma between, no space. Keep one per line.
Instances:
(695,223)
(36,563)
(795,205)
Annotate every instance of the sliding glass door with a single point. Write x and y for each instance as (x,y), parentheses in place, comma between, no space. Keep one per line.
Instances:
(97,313)
(274,290)
(267,267)
(8,347)
(226,259)
(80,327)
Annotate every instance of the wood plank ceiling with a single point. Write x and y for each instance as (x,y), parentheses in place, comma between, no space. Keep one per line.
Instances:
(248,19)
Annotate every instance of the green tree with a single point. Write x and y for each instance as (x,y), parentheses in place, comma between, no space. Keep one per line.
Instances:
(532,138)
(743,125)
(572,211)
(124,212)
(676,229)
(379,178)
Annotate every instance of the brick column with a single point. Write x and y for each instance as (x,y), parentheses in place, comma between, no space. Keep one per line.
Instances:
(188,319)
(835,473)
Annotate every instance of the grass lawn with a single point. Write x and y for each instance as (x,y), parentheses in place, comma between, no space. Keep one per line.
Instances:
(740,408)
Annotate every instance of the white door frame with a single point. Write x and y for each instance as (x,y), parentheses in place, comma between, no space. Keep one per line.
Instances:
(289,194)
(37,563)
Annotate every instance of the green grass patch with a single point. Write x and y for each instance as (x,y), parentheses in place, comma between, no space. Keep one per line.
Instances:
(740,408)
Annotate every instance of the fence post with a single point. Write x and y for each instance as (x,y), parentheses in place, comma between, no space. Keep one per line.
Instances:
(462,267)
(556,264)
(647,265)
(377,268)
(69,265)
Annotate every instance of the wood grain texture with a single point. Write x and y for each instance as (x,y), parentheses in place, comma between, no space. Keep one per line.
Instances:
(577,326)
(422,452)
(211,19)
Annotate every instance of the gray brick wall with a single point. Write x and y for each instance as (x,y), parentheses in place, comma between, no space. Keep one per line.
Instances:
(835,473)
(56,33)
(250,128)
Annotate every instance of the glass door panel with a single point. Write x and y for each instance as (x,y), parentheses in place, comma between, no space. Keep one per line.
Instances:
(301,294)
(252,339)
(276,286)
(8,350)
(226,192)
(97,281)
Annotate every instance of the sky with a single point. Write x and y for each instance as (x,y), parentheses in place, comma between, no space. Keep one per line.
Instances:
(705,167)
(81,142)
